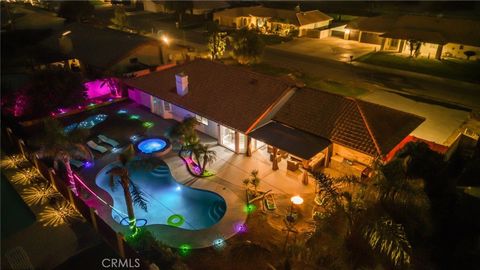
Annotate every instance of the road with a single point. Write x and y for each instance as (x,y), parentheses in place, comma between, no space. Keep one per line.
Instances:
(427,90)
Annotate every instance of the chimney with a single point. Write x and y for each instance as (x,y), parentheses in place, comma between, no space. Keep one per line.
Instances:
(181,80)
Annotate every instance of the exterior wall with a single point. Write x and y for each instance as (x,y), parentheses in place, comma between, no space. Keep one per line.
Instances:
(227,21)
(150,6)
(140,97)
(456,50)
(351,154)
(428,50)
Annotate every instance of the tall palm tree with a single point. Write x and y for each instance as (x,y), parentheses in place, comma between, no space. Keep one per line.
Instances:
(133,195)
(55,143)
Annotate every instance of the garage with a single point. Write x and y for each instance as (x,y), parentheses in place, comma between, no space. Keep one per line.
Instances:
(370,37)
(339,34)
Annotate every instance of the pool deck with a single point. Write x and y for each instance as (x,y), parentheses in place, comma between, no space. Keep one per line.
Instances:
(230,170)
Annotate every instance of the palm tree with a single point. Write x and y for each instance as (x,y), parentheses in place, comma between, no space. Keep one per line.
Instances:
(204,156)
(55,143)
(254,179)
(133,195)
(184,132)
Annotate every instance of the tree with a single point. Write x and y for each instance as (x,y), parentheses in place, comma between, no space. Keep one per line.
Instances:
(75,11)
(414,46)
(469,54)
(133,195)
(248,46)
(253,180)
(180,7)
(184,132)
(216,44)
(47,91)
(120,16)
(204,156)
(56,144)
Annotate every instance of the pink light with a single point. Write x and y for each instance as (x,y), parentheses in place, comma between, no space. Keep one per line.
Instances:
(241,227)
(97,88)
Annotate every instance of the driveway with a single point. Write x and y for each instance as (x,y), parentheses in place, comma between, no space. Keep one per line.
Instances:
(331,48)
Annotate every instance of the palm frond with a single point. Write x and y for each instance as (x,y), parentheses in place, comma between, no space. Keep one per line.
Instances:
(390,239)
(138,196)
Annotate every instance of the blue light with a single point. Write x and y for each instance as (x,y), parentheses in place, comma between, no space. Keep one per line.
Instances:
(134,138)
(122,111)
(116,149)
(88,164)
(152,145)
(92,121)
(219,243)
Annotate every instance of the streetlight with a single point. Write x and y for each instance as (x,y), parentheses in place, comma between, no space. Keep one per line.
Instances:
(165,40)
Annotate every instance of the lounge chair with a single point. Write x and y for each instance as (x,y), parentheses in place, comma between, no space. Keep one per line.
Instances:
(97,147)
(270,202)
(105,139)
(76,163)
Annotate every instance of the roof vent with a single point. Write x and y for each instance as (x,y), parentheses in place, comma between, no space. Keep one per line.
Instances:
(181,80)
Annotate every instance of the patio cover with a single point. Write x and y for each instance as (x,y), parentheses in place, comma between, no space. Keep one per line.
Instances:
(296,142)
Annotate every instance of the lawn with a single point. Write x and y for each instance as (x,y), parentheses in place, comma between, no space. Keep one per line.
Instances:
(451,68)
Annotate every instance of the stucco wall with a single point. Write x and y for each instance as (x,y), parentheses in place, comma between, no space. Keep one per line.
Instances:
(456,50)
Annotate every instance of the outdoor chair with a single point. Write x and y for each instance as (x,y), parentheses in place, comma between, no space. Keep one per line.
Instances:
(76,163)
(107,140)
(97,147)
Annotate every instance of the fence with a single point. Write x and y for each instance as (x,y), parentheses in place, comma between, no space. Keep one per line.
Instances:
(111,237)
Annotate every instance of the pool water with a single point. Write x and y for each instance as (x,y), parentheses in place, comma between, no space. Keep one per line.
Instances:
(200,209)
(149,146)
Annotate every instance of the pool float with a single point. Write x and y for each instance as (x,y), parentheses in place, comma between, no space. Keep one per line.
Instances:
(175,220)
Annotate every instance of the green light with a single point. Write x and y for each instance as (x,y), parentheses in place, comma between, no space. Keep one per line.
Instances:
(208,173)
(249,208)
(134,116)
(91,104)
(184,249)
(148,124)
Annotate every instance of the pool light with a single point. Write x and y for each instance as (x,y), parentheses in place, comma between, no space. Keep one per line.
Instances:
(147,124)
(184,249)
(122,111)
(134,138)
(249,208)
(240,227)
(134,116)
(178,188)
(88,164)
(219,243)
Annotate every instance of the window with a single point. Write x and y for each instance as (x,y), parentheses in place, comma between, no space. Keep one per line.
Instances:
(167,106)
(201,119)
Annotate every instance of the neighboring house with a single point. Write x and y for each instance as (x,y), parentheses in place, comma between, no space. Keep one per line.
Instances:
(438,37)
(23,18)
(95,49)
(199,7)
(278,21)
(244,111)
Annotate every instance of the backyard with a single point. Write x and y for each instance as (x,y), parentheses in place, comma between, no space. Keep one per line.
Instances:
(446,68)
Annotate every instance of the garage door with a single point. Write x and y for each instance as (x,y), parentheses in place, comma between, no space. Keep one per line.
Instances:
(372,38)
(339,34)
(353,35)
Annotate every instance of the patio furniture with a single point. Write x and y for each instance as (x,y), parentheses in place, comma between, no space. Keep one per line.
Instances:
(76,163)
(18,259)
(292,165)
(97,147)
(107,140)
(270,202)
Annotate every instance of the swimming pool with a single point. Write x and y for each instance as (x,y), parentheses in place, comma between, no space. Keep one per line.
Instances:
(168,199)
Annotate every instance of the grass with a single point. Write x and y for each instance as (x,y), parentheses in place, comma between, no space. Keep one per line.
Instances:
(451,68)
(274,39)
(310,80)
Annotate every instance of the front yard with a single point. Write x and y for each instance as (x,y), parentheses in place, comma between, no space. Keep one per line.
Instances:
(446,68)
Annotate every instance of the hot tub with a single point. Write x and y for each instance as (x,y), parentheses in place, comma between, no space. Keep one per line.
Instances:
(153,146)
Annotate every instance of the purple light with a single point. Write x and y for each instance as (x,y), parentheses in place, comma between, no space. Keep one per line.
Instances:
(240,227)
(97,88)
(88,164)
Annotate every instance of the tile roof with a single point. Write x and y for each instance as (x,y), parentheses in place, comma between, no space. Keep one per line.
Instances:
(291,16)
(360,125)
(460,31)
(232,96)
(98,47)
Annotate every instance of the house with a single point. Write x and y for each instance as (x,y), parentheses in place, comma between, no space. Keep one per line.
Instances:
(101,49)
(245,111)
(437,37)
(271,20)
(198,7)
